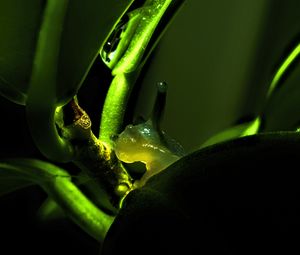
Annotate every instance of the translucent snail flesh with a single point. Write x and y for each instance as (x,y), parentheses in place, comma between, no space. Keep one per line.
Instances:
(148,144)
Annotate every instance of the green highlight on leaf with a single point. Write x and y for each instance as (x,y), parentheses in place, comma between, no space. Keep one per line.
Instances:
(245,129)
(252,127)
(57,183)
(281,111)
(283,68)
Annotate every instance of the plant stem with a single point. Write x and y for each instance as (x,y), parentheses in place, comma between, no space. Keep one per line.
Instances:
(114,108)
(80,209)
(57,183)
(151,13)
(100,163)
(41,104)
(127,69)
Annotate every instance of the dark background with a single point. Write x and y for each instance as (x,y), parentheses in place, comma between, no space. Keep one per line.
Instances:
(218,58)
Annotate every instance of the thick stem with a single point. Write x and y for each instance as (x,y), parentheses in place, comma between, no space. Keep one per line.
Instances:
(129,66)
(112,182)
(41,104)
(114,108)
(82,211)
(151,13)
(57,183)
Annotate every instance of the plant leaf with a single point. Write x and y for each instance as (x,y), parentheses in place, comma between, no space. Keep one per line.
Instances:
(217,200)
(275,60)
(282,110)
(85,27)
(59,52)
(19,24)
(58,185)
(248,128)
(20,173)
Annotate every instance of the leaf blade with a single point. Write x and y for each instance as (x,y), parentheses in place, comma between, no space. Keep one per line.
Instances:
(21,173)
(86,26)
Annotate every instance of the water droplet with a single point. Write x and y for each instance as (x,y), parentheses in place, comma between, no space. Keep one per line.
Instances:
(113,40)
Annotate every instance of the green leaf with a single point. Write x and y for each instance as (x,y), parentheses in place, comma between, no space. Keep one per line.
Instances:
(20,173)
(248,128)
(276,57)
(85,26)
(58,185)
(282,110)
(46,68)
(19,24)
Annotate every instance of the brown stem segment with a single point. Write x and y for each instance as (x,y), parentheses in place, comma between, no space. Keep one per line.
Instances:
(93,157)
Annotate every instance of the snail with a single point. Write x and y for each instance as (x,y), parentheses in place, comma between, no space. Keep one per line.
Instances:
(147,143)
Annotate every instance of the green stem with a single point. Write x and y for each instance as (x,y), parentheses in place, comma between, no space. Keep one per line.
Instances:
(41,104)
(82,211)
(114,108)
(150,13)
(57,183)
(129,66)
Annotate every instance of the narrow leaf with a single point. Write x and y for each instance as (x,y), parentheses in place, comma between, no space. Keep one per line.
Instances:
(57,183)
(248,128)
(282,110)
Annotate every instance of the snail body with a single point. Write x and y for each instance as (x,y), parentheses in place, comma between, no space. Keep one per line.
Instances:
(147,143)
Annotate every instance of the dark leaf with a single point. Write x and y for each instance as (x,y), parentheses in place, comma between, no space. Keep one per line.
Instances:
(233,198)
